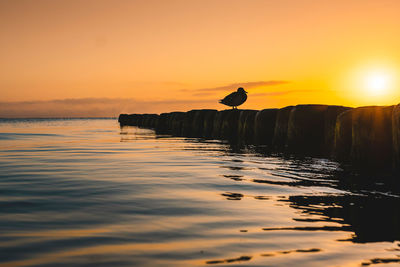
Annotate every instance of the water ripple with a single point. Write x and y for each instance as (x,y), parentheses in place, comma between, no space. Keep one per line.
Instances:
(84,192)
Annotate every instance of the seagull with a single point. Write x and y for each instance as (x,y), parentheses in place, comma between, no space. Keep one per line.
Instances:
(235,99)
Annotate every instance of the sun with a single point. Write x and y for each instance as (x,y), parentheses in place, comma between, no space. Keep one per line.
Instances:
(377,83)
(370,83)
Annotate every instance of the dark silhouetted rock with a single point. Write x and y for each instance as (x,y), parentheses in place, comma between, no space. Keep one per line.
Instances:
(222,123)
(217,123)
(194,122)
(396,137)
(372,141)
(207,116)
(199,127)
(128,119)
(123,119)
(152,121)
(331,116)
(281,127)
(226,124)
(246,126)
(147,120)
(306,129)
(366,137)
(139,120)
(264,126)
(176,122)
(343,136)
(187,126)
(230,124)
(162,126)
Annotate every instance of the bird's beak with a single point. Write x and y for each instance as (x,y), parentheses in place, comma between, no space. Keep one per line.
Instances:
(245,92)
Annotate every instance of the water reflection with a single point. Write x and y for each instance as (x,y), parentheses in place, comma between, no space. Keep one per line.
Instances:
(232,196)
(370,218)
(233,177)
(380,260)
(366,207)
(91,194)
(242,258)
(268,254)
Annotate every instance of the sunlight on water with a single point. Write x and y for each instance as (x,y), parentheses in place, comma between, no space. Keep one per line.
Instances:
(84,192)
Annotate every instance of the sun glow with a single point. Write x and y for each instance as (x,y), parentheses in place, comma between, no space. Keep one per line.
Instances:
(371,83)
(378,83)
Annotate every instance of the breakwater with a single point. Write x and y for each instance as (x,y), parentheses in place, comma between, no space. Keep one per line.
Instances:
(366,138)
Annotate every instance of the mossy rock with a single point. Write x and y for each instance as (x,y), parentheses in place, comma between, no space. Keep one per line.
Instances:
(306,129)
(264,126)
(226,124)
(331,116)
(281,128)
(163,126)
(149,120)
(152,121)
(372,137)
(208,122)
(198,123)
(187,124)
(128,119)
(220,121)
(176,122)
(123,119)
(139,120)
(246,126)
(146,120)
(343,136)
(216,128)
(396,137)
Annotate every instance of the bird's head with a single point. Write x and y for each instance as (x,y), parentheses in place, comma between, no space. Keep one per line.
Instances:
(241,90)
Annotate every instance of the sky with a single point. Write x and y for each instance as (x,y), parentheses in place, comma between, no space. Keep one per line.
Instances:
(101,58)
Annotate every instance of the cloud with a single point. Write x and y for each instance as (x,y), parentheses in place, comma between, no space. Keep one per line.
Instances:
(234,86)
(112,107)
(96,107)
(279,93)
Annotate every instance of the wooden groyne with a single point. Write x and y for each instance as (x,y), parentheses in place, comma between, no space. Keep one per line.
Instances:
(367,138)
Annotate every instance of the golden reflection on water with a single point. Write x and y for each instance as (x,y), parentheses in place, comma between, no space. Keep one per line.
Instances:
(85,193)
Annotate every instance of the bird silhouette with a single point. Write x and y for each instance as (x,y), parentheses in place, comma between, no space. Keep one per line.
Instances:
(235,99)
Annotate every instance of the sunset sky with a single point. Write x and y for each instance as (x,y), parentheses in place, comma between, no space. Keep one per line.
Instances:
(102,58)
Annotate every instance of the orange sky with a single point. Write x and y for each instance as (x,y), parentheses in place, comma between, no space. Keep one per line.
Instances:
(106,57)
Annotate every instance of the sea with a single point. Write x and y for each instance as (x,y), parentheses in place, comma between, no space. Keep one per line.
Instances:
(85,192)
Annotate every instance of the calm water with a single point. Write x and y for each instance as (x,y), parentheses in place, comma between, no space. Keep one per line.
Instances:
(87,193)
